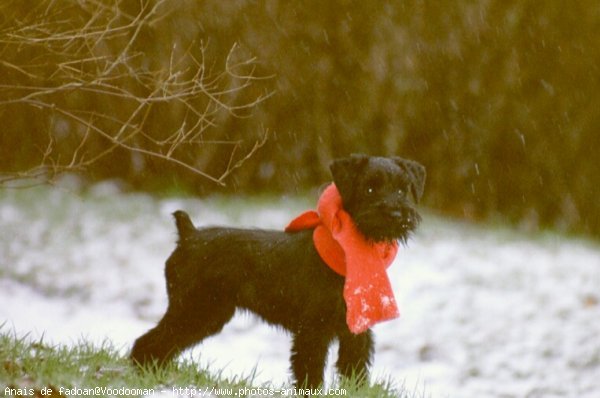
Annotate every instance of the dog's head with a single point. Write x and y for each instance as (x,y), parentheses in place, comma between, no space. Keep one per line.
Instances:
(380,194)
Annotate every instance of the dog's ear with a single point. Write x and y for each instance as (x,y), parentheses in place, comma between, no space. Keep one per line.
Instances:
(417,175)
(344,172)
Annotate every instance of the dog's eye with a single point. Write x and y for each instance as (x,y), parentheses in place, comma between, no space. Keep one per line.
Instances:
(369,190)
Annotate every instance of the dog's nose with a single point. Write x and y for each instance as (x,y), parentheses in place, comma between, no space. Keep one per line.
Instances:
(404,217)
(397,214)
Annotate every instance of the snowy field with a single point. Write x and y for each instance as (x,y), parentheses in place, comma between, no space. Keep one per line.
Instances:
(485,312)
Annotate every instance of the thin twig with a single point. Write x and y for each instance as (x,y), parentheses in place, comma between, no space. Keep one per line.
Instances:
(84,69)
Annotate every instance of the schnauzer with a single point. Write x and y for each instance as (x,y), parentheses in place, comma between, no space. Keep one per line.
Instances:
(282,277)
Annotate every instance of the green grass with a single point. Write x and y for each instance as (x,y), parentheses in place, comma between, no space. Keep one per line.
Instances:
(33,368)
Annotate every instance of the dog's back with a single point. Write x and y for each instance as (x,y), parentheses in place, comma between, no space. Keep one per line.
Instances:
(245,264)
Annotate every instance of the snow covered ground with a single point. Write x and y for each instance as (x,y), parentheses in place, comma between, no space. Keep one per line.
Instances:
(485,312)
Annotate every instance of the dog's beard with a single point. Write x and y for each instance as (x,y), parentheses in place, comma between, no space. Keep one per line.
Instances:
(387,225)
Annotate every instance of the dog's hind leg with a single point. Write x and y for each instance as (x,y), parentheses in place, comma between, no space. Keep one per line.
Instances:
(354,355)
(179,329)
(309,352)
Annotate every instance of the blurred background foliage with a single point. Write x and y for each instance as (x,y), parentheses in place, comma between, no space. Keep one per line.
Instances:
(500,100)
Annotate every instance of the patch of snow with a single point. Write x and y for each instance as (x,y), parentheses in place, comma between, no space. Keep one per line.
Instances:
(489,313)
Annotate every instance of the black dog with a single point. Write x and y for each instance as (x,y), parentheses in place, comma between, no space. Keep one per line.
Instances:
(280,276)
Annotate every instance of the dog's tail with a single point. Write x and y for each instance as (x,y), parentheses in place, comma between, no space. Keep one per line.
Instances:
(185,227)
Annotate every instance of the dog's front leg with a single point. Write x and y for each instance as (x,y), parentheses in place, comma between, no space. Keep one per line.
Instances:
(354,356)
(309,352)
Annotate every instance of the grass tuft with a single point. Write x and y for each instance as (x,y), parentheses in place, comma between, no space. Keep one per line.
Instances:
(33,367)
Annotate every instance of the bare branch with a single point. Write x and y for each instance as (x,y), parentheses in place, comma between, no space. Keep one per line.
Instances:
(89,79)
(231,167)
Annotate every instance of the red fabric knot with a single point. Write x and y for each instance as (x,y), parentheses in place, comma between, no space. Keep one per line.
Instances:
(367,289)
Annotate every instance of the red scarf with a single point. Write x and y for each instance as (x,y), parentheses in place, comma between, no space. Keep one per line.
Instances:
(367,290)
